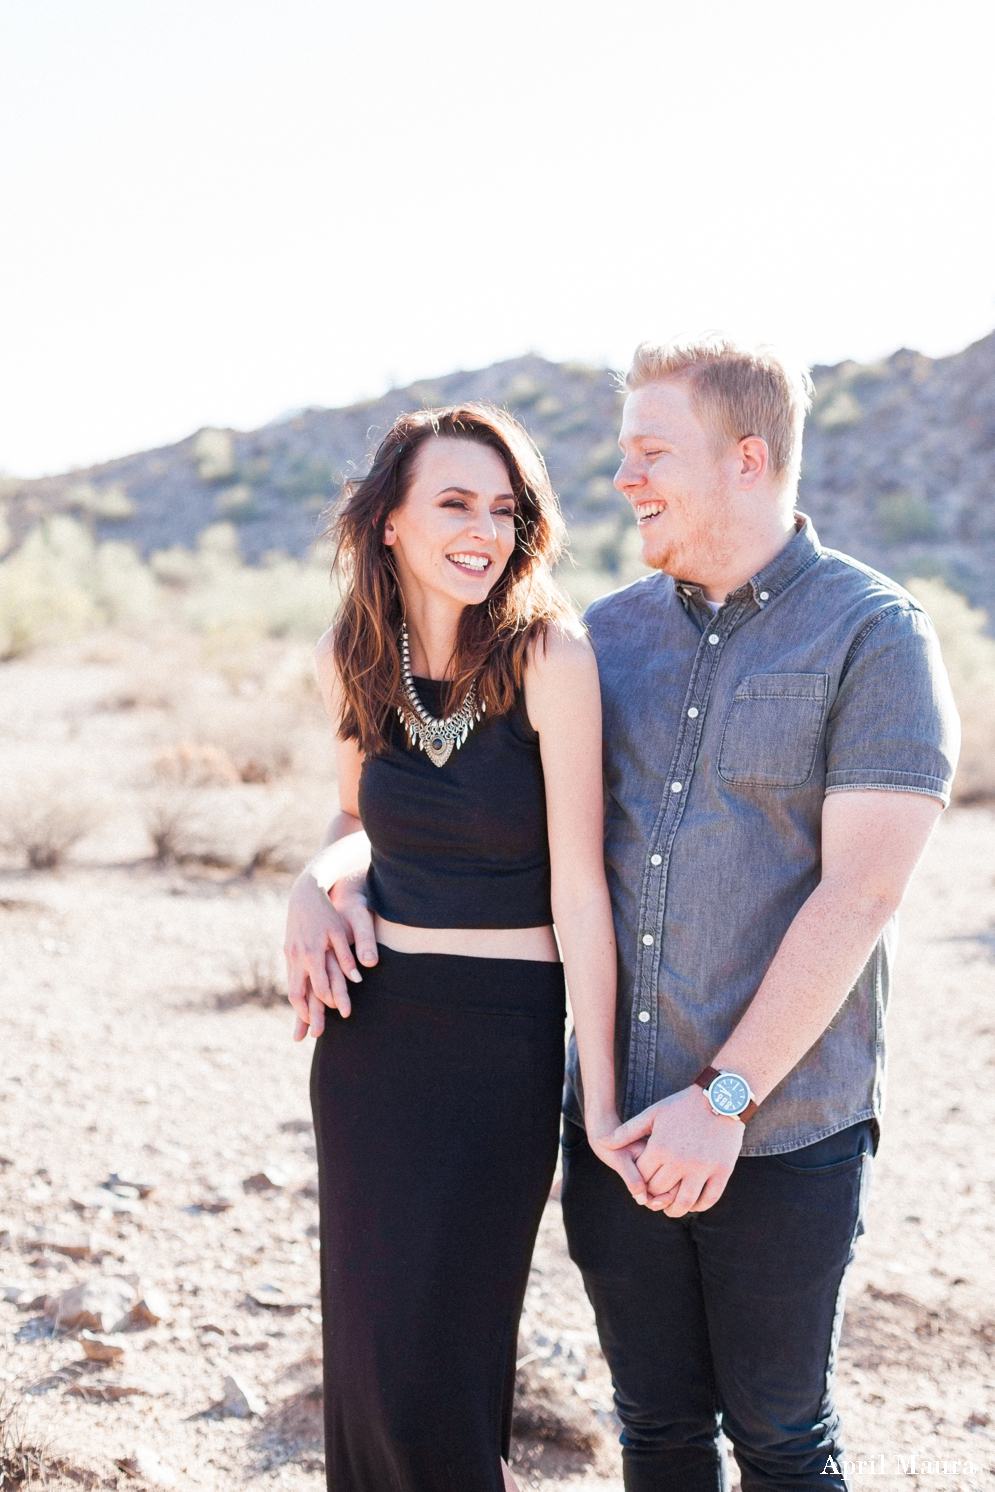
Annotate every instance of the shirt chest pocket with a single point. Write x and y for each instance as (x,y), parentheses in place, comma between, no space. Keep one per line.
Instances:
(773,729)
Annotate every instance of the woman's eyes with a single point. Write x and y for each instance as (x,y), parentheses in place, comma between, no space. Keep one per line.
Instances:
(457,502)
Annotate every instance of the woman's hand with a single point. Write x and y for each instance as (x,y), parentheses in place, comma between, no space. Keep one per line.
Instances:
(319,958)
(602,1126)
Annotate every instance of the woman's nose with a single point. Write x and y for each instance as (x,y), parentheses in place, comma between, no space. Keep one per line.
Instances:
(484,526)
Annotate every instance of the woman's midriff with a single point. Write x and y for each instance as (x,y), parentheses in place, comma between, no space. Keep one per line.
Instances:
(536,943)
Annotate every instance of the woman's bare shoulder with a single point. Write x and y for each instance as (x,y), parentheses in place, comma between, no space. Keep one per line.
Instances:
(562,673)
(565,648)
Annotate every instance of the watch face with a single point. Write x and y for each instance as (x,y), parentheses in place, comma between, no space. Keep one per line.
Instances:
(729,1094)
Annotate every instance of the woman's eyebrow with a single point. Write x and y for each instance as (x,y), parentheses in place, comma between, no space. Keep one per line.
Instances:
(469,492)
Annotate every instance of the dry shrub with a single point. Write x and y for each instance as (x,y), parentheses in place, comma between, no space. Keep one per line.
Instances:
(258,976)
(191,765)
(44,821)
(969,653)
(172,819)
(137,694)
(258,735)
(21,1460)
(273,831)
(272,845)
(248,829)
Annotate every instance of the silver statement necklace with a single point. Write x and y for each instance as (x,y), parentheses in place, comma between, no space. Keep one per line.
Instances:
(435,737)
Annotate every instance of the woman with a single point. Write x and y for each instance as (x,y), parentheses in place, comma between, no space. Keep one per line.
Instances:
(465,699)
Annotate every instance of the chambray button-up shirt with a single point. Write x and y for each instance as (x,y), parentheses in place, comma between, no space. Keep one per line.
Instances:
(723,734)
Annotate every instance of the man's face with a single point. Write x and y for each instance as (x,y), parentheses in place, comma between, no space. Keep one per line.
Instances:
(680,486)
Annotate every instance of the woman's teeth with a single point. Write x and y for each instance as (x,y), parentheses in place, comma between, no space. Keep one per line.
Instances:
(477,562)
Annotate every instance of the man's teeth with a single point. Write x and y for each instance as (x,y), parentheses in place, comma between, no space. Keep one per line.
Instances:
(471,561)
(648,510)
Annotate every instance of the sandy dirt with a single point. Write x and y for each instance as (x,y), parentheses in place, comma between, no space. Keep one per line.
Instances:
(137,1042)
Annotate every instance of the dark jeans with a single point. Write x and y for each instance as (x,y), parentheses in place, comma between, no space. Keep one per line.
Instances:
(725,1320)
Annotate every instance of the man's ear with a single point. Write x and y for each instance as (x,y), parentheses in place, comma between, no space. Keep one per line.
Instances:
(754,460)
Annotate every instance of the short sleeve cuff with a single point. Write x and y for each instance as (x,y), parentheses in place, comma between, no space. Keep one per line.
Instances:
(884,780)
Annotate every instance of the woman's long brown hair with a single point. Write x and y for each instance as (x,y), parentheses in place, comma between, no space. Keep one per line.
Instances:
(494,637)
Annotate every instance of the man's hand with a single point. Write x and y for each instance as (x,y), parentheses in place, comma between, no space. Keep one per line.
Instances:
(319,958)
(601,1128)
(348,897)
(689,1155)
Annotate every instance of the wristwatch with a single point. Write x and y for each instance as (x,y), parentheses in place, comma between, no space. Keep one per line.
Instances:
(729,1095)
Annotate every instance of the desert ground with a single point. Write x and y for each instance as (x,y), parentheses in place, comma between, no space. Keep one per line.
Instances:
(155,1138)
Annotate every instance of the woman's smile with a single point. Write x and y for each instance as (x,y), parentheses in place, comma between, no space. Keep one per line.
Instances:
(470,562)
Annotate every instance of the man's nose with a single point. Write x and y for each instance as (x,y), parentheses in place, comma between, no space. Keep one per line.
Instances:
(628,477)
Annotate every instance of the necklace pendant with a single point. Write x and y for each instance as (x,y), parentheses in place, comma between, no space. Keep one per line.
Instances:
(437,750)
(435,737)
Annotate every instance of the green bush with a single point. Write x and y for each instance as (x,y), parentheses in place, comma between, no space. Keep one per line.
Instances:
(214,454)
(43,596)
(903,517)
(969,654)
(60,583)
(111,503)
(839,409)
(522,392)
(603,556)
(602,460)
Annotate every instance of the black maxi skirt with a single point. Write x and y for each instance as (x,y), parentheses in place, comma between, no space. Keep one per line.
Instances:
(436,1114)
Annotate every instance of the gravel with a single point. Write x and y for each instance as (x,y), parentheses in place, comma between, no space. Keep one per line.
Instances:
(127,1069)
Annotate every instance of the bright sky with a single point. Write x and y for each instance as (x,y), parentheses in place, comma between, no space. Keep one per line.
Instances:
(218,210)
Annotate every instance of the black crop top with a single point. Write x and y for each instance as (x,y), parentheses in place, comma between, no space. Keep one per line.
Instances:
(463,845)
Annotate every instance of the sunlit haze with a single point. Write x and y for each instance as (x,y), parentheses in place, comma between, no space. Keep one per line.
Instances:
(218,210)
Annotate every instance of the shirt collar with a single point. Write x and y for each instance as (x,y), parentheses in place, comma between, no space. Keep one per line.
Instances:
(801,550)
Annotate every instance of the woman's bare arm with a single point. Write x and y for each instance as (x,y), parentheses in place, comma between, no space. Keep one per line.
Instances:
(317,946)
(563,700)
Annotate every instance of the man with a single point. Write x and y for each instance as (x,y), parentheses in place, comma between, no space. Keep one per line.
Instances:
(779,741)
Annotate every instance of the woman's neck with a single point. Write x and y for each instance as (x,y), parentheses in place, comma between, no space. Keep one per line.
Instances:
(432,623)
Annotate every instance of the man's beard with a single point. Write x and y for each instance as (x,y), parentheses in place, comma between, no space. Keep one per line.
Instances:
(694,555)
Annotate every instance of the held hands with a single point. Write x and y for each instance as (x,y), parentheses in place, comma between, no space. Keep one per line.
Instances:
(601,1128)
(688,1152)
(320,929)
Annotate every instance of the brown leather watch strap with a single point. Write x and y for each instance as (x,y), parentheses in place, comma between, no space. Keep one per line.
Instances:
(707,1076)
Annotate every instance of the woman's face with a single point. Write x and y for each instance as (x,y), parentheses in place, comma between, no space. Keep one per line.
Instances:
(455,531)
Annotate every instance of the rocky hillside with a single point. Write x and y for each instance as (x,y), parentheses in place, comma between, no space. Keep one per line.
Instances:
(899,466)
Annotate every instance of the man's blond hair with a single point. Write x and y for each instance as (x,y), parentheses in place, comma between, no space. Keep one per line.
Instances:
(736,391)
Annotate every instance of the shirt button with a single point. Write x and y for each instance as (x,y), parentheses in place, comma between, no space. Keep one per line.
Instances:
(693,713)
(675,787)
(647,940)
(656,859)
(644,1016)
(714,639)
(765,595)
